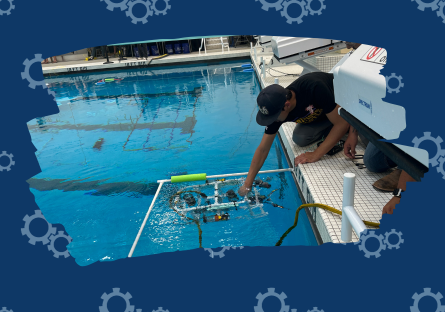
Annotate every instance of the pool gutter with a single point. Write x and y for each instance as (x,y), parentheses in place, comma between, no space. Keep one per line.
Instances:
(303,200)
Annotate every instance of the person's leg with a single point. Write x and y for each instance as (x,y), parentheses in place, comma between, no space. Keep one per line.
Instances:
(305,134)
(54,59)
(145,48)
(364,140)
(104,51)
(93,53)
(142,50)
(139,50)
(375,160)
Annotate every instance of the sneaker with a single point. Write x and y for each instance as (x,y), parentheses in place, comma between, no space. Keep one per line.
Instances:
(389,182)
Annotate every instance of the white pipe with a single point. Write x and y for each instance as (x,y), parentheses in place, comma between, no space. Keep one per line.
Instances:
(236,174)
(216,194)
(348,200)
(263,70)
(354,219)
(145,221)
(202,41)
(212,206)
(245,173)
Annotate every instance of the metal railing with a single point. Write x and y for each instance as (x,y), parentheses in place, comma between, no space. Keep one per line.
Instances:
(222,45)
(203,42)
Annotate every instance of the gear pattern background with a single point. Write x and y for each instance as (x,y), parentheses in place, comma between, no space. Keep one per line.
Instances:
(399,85)
(304,7)
(11,162)
(8,11)
(441,11)
(143,19)
(116,293)
(271,293)
(126,297)
(427,293)
(439,157)
(26,75)
(151,6)
(49,237)
(100,274)
(433,5)
(219,254)
(382,240)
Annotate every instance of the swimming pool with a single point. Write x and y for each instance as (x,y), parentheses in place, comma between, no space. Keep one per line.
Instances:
(103,153)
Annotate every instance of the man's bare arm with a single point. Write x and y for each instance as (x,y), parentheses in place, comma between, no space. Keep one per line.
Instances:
(339,129)
(257,162)
(391,205)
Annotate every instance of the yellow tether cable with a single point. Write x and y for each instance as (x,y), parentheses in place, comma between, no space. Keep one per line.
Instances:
(326,207)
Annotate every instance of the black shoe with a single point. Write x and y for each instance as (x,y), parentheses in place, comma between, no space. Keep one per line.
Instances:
(337,148)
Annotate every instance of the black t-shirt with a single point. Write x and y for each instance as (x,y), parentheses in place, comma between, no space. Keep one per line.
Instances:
(315,99)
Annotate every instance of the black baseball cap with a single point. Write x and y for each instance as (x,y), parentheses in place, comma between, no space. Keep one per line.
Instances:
(270,102)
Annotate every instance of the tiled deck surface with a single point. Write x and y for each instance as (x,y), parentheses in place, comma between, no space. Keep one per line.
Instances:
(322,182)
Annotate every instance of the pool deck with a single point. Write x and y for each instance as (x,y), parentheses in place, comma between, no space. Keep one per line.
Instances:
(320,182)
(73,67)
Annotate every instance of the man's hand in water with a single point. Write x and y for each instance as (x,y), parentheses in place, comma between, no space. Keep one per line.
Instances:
(243,191)
(307,157)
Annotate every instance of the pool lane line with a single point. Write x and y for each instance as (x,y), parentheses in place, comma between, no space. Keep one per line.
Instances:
(77,131)
(151,126)
(194,118)
(94,188)
(244,135)
(41,149)
(195,92)
(118,126)
(174,125)
(134,125)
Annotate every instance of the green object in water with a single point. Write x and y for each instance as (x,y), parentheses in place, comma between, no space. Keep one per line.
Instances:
(109,79)
(189,177)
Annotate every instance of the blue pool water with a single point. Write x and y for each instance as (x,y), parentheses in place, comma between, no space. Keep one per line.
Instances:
(103,153)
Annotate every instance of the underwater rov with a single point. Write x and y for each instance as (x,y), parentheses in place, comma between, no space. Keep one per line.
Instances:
(183,201)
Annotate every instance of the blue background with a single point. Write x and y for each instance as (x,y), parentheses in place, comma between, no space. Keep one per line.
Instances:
(330,277)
